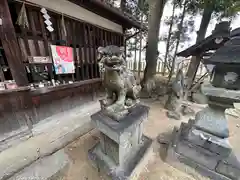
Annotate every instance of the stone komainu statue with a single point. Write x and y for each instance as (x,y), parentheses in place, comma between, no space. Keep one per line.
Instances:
(175,97)
(119,82)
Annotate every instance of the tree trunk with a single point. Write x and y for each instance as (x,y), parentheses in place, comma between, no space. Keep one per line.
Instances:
(155,13)
(195,61)
(168,39)
(178,41)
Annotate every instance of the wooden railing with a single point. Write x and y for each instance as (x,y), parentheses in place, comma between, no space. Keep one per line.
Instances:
(183,65)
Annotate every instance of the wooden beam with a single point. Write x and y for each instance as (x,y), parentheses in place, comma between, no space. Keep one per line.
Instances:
(23,34)
(101,38)
(34,31)
(80,48)
(85,64)
(74,42)
(10,45)
(197,84)
(2,77)
(90,55)
(105,38)
(94,48)
(191,73)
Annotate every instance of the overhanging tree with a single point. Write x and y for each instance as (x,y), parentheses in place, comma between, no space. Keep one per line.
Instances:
(179,32)
(169,36)
(180,27)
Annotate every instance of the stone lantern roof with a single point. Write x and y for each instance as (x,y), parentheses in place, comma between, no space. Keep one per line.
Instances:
(230,52)
(218,37)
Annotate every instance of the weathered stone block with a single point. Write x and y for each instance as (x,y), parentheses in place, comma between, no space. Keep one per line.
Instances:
(122,144)
(118,131)
(199,98)
(109,147)
(196,153)
(230,167)
(221,93)
(210,142)
(180,161)
(212,121)
(120,138)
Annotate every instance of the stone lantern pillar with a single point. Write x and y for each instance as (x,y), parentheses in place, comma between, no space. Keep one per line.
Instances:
(203,143)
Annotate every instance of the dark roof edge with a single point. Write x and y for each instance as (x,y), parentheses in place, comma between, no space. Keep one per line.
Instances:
(123,15)
(189,51)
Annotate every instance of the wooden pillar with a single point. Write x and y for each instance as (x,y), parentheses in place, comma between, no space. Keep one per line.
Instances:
(10,45)
(191,73)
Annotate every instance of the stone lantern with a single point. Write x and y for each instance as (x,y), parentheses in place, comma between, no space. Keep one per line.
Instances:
(203,143)
(226,73)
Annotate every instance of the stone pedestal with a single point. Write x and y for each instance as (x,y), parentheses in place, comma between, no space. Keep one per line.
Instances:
(122,144)
(203,144)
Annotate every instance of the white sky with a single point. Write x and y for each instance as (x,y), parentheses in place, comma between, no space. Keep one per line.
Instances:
(168,12)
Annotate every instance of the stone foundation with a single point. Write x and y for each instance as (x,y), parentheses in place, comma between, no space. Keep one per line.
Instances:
(211,157)
(122,144)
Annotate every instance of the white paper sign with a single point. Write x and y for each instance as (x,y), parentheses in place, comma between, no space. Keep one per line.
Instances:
(50,28)
(44,11)
(47,22)
(46,16)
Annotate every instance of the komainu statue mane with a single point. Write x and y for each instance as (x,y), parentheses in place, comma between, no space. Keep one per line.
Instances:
(119,82)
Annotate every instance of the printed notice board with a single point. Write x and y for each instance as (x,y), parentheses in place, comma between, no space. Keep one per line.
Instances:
(63,59)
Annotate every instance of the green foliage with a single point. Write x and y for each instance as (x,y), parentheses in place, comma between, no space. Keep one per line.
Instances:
(143,7)
(179,31)
(223,8)
(140,9)
(220,9)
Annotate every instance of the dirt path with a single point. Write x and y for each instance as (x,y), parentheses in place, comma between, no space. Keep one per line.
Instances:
(158,123)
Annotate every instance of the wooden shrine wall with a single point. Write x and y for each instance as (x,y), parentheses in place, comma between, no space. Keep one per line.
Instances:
(20,110)
(83,37)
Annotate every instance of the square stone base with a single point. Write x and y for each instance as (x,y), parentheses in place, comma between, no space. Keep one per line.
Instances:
(211,164)
(122,144)
(130,170)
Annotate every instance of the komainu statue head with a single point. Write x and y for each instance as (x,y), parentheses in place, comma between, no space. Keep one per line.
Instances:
(120,84)
(111,57)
